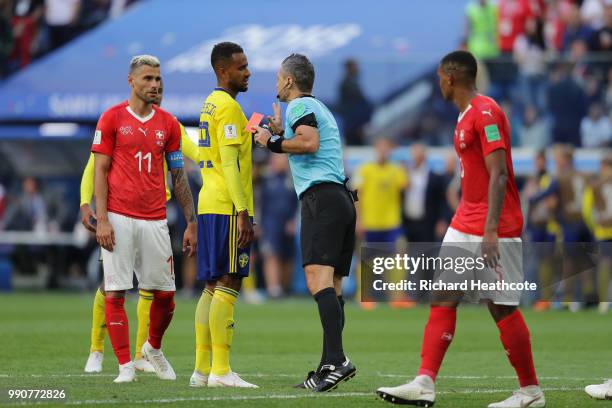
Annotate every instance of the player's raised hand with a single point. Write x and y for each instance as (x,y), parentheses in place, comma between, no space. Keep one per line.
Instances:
(87,215)
(490,249)
(275,122)
(245,229)
(105,234)
(190,239)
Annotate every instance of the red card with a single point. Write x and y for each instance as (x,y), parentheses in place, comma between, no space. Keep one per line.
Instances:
(254,121)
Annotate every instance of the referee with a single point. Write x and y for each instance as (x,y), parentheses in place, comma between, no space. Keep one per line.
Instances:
(312,140)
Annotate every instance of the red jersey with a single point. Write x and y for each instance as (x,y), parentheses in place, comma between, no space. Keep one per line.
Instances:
(481,129)
(137,147)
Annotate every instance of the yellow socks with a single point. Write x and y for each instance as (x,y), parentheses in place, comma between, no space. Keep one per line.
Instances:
(202,333)
(98,325)
(222,328)
(143,310)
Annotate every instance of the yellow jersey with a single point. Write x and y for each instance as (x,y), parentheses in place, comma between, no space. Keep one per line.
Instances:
(189,149)
(597,211)
(380,195)
(222,123)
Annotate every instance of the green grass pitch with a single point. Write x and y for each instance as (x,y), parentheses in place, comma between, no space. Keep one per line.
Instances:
(45,341)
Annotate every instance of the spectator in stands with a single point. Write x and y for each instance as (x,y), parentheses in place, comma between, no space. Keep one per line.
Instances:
(541,230)
(6,37)
(602,38)
(579,58)
(353,105)
(592,12)
(596,128)
(513,15)
(424,198)
(575,28)
(28,212)
(566,102)
(554,23)
(535,129)
(482,29)
(61,18)
(530,55)
(278,211)
(93,12)
(27,16)
(597,212)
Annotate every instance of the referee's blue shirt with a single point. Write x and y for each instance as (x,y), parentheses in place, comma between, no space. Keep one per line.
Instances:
(326,165)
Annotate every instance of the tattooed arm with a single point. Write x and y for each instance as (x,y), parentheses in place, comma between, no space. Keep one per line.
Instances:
(185,200)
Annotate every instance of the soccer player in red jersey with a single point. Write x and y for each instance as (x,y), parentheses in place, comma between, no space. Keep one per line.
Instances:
(129,146)
(489,215)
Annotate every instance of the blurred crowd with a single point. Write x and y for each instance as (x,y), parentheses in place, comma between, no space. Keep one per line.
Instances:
(548,62)
(32,28)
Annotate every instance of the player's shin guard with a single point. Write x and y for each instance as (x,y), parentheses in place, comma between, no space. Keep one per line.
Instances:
(439,333)
(330,314)
(162,310)
(118,330)
(202,333)
(98,323)
(143,312)
(222,328)
(514,335)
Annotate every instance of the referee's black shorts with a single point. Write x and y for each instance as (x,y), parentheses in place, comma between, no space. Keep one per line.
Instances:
(328,227)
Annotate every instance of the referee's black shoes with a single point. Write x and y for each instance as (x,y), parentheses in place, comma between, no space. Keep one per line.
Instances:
(331,376)
(312,380)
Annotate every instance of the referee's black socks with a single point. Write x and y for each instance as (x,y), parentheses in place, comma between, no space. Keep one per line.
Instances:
(324,353)
(332,318)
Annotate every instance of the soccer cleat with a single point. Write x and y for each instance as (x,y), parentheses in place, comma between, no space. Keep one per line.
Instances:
(312,380)
(525,397)
(127,373)
(143,365)
(230,379)
(420,392)
(600,391)
(198,380)
(162,367)
(331,376)
(94,362)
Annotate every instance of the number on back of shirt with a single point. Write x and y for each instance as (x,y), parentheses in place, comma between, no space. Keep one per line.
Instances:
(139,156)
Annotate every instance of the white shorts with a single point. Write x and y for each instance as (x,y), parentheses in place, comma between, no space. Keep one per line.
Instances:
(508,270)
(141,247)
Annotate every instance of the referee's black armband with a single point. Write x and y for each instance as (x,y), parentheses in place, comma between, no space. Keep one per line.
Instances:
(275,144)
(308,120)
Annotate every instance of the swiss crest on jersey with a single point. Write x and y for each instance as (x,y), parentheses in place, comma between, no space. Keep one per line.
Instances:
(159,137)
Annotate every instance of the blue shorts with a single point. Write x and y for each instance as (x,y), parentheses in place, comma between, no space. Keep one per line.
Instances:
(218,252)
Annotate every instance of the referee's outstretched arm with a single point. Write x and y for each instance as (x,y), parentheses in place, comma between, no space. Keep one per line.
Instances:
(305,141)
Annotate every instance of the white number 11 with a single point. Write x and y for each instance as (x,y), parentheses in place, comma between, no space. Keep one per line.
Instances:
(140,158)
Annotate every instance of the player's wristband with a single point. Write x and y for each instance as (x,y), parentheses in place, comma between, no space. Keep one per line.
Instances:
(275,144)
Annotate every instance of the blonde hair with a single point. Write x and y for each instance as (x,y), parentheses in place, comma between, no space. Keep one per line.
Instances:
(140,60)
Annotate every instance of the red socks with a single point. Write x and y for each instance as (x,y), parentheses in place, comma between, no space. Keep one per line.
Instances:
(117,326)
(514,336)
(438,335)
(162,310)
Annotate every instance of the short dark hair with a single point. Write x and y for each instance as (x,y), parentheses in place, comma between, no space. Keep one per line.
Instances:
(302,71)
(223,52)
(461,63)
